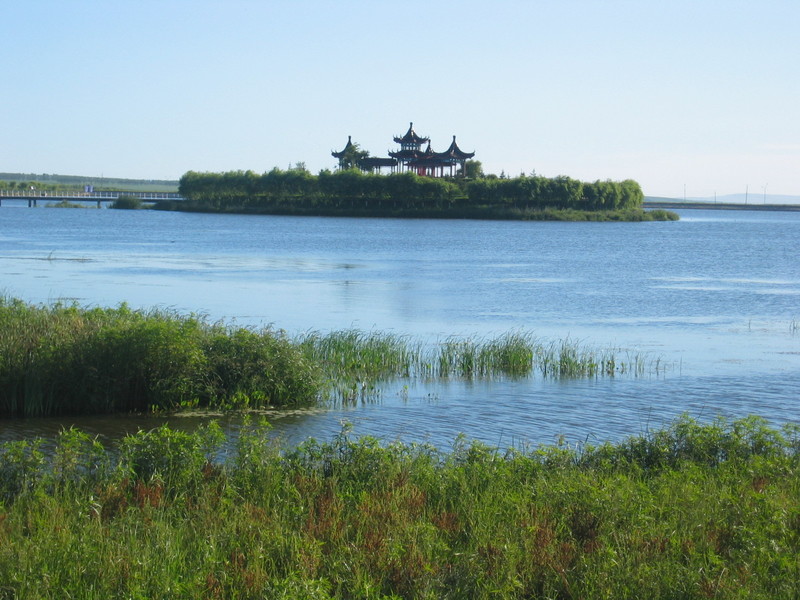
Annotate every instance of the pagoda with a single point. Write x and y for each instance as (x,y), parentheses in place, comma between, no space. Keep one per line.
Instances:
(410,146)
(410,157)
(434,164)
(365,163)
(343,154)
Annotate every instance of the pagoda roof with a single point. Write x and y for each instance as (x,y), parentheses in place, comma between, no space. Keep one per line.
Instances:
(454,152)
(411,137)
(405,154)
(342,152)
(428,158)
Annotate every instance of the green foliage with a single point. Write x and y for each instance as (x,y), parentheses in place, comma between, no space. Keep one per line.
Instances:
(259,368)
(174,458)
(714,515)
(63,359)
(351,156)
(127,202)
(350,191)
(51,182)
(22,465)
(473,169)
(355,362)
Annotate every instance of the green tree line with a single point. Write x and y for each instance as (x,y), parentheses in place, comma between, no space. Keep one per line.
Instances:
(297,188)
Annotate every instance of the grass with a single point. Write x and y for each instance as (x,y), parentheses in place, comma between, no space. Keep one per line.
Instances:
(691,511)
(63,359)
(355,362)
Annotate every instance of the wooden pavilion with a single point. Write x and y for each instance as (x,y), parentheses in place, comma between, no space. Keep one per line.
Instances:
(410,157)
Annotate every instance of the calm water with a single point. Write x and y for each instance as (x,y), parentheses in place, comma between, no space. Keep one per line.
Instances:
(715,296)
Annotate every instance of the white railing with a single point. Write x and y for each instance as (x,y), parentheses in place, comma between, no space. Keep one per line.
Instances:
(97,196)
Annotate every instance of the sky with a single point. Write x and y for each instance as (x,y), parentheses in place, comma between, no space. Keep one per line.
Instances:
(687,97)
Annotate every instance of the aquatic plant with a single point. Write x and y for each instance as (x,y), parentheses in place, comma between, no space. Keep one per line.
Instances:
(356,361)
(61,359)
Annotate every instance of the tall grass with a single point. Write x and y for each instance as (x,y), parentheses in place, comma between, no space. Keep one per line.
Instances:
(357,360)
(691,511)
(62,359)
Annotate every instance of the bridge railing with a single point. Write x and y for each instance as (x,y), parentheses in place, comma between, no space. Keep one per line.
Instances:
(106,195)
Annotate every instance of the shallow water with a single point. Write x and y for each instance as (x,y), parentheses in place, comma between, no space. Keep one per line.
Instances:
(714,297)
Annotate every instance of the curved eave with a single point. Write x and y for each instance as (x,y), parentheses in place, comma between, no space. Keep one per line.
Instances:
(454,152)
(456,155)
(411,137)
(342,152)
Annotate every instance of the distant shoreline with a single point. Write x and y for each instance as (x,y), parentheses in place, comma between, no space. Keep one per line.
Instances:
(679,204)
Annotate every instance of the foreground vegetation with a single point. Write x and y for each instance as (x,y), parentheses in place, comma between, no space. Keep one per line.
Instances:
(691,511)
(353,193)
(63,359)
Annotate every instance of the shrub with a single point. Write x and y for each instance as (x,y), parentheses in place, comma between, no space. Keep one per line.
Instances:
(127,202)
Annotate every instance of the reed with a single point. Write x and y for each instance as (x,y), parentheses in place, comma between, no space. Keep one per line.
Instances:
(62,359)
(695,510)
(364,359)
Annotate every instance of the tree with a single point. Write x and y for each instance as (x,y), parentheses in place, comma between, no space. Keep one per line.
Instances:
(351,155)
(473,169)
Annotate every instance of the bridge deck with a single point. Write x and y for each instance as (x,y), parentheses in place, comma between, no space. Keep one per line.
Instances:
(34,196)
(93,196)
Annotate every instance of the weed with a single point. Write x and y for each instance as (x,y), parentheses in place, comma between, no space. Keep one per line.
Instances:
(691,511)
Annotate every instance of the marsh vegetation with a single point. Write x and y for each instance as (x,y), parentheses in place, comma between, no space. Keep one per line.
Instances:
(690,511)
(64,359)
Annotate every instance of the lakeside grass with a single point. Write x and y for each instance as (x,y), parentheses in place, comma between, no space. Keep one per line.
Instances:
(355,361)
(63,359)
(691,511)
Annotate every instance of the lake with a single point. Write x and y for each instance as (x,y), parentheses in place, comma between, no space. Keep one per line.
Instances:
(713,297)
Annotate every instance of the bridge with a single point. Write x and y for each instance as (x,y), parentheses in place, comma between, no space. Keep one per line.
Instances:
(34,196)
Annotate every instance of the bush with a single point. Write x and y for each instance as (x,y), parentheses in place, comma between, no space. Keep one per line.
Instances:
(65,360)
(127,202)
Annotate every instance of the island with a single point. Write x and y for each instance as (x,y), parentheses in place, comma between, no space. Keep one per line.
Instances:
(420,184)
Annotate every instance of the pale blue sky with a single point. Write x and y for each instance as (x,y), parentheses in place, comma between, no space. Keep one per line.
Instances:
(701,94)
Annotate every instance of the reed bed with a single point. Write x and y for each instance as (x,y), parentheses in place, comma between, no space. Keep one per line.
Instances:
(696,510)
(62,359)
(365,358)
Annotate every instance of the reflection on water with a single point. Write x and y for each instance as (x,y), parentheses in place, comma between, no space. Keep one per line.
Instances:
(520,413)
(713,296)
